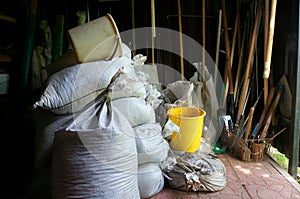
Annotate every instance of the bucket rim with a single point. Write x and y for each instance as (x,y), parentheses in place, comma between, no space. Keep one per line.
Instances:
(202,112)
(115,27)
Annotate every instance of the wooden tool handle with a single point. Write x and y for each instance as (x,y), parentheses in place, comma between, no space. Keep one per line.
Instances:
(265,129)
(249,124)
(227,47)
(270,40)
(270,113)
(240,62)
(203,52)
(265,111)
(180,40)
(266,27)
(218,47)
(248,66)
(153,28)
(268,53)
(267,106)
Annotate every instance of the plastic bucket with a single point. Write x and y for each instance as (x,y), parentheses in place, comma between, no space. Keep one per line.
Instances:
(190,122)
(96,40)
(4,78)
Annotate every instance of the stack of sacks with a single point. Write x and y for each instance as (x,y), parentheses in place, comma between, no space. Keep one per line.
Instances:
(137,99)
(66,93)
(71,91)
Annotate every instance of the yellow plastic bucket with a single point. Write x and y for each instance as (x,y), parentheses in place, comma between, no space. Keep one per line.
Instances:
(96,40)
(190,122)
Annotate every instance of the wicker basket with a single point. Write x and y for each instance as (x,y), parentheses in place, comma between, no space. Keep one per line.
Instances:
(248,150)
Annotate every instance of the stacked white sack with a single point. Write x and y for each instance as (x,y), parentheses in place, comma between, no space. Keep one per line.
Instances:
(152,148)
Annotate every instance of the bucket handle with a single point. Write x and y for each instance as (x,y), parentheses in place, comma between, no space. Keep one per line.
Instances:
(115,50)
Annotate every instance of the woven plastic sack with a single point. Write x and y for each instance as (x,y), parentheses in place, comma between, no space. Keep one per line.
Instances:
(135,110)
(128,85)
(72,88)
(194,171)
(97,158)
(150,179)
(151,146)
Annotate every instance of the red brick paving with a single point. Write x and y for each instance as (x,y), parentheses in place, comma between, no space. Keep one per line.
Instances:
(245,180)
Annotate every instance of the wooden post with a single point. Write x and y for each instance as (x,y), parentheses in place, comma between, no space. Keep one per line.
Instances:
(295,126)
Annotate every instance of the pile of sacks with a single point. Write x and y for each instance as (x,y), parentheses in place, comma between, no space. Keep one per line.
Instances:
(103,136)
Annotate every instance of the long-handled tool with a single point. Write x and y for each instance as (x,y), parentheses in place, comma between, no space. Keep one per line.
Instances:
(240,61)
(153,28)
(232,51)
(249,118)
(230,95)
(271,111)
(254,106)
(269,49)
(266,27)
(248,66)
(180,40)
(133,28)
(218,46)
(249,124)
(203,51)
(263,115)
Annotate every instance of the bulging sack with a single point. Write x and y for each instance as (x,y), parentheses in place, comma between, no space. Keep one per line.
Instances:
(72,88)
(151,146)
(194,171)
(96,156)
(135,110)
(150,179)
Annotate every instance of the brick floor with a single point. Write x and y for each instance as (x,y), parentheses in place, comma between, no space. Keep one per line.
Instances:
(264,179)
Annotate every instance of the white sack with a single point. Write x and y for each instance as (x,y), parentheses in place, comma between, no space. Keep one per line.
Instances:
(211,104)
(179,92)
(150,179)
(128,85)
(46,124)
(151,146)
(70,89)
(135,110)
(194,171)
(153,96)
(98,158)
